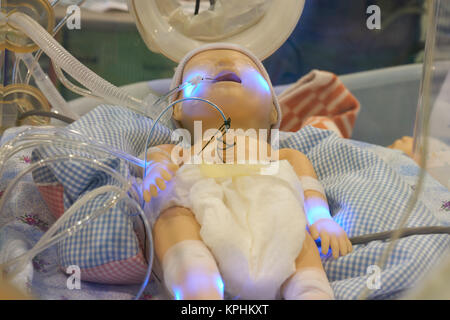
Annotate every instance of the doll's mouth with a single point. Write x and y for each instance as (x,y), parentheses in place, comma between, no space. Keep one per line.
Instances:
(227,76)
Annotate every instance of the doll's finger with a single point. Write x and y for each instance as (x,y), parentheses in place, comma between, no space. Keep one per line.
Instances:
(343,246)
(165,175)
(153,190)
(314,232)
(349,246)
(335,247)
(147,196)
(160,183)
(173,167)
(325,241)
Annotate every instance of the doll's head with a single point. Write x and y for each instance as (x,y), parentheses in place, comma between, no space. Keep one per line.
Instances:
(241,88)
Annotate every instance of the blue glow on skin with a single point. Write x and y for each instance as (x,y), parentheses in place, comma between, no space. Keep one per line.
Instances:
(150,179)
(317,212)
(251,79)
(262,82)
(254,81)
(177,293)
(188,91)
(195,281)
(219,284)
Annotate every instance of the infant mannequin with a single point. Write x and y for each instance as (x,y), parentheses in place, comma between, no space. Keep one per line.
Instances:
(199,261)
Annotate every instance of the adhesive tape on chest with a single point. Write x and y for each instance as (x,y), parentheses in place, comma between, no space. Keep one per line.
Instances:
(231,170)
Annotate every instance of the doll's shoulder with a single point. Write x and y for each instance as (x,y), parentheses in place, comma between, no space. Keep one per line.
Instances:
(292,154)
(166,147)
(299,162)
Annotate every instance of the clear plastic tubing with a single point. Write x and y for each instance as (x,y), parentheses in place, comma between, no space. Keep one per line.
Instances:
(46,239)
(69,85)
(47,87)
(50,238)
(36,137)
(71,65)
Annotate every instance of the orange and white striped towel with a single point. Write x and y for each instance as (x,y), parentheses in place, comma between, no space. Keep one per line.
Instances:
(319,99)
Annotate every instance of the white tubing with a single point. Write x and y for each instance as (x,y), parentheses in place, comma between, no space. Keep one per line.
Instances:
(46,86)
(71,65)
(69,85)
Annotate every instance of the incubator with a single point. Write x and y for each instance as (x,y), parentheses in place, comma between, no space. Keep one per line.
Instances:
(71,178)
(433,115)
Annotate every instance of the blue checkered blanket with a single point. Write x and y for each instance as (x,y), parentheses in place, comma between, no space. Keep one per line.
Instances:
(367,187)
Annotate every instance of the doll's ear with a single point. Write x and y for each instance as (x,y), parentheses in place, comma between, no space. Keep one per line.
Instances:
(177,112)
(273,115)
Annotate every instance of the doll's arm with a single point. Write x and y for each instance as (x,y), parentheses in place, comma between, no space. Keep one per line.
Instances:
(320,222)
(160,168)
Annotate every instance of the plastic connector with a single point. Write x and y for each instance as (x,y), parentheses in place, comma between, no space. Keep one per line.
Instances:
(196,80)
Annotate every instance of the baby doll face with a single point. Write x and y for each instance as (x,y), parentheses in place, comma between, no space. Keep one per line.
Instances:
(238,89)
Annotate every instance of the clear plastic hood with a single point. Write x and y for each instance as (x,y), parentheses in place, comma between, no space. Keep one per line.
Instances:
(223,18)
(175,27)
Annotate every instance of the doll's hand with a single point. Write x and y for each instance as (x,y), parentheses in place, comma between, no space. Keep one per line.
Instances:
(331,235)
(158,173)
(405,144)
